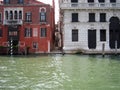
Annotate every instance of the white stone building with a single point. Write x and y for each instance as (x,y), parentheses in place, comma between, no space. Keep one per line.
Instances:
(92,26)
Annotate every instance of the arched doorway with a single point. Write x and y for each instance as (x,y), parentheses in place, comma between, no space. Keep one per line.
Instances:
(114,32)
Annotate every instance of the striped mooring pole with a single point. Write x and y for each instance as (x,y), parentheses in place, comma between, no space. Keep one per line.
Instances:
(11,47)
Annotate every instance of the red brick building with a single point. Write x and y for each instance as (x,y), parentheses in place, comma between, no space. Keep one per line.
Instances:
(27,23)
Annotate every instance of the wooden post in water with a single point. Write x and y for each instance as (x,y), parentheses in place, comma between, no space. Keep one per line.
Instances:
(116,47)
(11,47)
(103,49)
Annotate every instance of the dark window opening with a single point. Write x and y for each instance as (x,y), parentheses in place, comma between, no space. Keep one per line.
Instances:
(20,14)
(74,17)
(101,1)
(15,15)
(102,35)
(11,15)
(91,17)
(90,1)
(6,15)
(74,35)
(1,33)
(102,17)
(113,1)
(74,1)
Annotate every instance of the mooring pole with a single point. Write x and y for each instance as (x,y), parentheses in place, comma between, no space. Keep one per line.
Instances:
(116,47)
(11,47)
(103,49)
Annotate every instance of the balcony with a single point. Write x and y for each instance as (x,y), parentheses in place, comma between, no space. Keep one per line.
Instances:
(12,22)
(90,5)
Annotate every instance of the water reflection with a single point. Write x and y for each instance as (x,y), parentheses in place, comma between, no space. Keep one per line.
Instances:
(56,72)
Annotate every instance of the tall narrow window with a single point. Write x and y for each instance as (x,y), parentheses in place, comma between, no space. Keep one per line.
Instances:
(28,32)
(11,15)
(1,33)
(74,17)
(0,17)
(20,14)
(43,32)
(102,17)
(75,35)
(15,15)
(6,1)
(43,15)
(28,17)
(6,15)
(91,17)
(20,1)
(102,35)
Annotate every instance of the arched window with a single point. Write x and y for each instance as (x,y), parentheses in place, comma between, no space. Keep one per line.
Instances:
(11,15)
(43,15)
(15,15)
(6,15)
(20,14)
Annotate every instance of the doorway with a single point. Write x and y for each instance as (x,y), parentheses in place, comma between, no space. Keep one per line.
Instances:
(92,39)
(114,33)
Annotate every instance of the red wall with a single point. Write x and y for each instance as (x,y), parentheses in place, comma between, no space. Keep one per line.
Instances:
(42,42)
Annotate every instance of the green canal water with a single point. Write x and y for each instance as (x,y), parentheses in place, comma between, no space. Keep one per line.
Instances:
(57,72)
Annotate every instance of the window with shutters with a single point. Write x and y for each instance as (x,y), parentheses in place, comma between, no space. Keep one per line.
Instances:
(43,32)
(42,15)
(28,32)
(28,17)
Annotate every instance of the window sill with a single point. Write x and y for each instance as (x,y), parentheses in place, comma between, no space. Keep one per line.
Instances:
(75,21)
